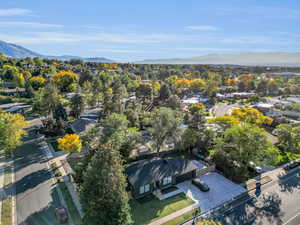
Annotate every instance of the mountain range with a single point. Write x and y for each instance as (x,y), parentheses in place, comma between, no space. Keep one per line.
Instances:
(248,59)
(17,51)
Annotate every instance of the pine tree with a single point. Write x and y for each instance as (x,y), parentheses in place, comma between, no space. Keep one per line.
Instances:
(103,195)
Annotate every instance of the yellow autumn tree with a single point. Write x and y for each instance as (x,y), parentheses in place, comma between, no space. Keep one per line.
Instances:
(197,84)
(66,80)
(251,115)
(70,143)
(11,130)
(19,80)
(225,121)
(155,87)
(37,82)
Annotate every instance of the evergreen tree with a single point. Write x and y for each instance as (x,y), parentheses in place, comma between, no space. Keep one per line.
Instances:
(103,193)
(77,105)
(164,92)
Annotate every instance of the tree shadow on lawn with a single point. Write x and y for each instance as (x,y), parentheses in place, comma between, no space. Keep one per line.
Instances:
(266,208)
(150,208)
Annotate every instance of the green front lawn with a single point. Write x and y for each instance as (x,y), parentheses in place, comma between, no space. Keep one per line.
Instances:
(145,212)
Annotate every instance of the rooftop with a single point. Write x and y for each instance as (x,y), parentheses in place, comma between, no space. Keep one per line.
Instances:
(151,170)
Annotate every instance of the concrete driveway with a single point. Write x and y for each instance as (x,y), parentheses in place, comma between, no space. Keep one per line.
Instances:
(221,190)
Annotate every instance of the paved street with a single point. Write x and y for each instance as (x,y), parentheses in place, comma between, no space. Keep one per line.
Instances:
(36,194)
(278,203)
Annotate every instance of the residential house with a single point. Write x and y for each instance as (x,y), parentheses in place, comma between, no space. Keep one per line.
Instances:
(22,109)
(146,176)
(82,125)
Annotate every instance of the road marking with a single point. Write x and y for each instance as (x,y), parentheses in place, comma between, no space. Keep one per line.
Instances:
(292,218)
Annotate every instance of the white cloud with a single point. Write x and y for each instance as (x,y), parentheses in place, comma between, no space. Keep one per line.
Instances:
(29,24)
(203,28)
(15,12)
(61,37)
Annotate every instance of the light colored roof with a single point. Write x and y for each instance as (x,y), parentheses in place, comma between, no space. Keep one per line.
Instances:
(194,100)
(264,105)
(9,105)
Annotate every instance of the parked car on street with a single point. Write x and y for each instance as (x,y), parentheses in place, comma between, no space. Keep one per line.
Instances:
(254,167)
(61,214)
(200,184)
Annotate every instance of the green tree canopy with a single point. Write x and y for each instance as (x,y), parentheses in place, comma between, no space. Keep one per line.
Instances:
(289,138)
(103,193)
(165,124)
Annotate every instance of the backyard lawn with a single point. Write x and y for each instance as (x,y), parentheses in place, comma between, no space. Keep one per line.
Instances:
(150,208)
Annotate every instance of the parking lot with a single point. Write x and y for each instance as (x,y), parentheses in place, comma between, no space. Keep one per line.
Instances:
(221,190)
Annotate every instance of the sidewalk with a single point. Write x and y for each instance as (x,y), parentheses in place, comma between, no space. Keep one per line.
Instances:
(175,214)
(64,168)
(273,174)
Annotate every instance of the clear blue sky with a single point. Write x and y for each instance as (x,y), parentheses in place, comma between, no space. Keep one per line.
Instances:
(150,29)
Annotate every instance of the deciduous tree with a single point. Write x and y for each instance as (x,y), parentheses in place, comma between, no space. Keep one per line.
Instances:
(289,138)
(11,130)
(165,125)
(70,143)
(66,81)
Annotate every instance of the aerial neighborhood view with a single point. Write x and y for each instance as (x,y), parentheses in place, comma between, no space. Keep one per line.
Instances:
(150,112)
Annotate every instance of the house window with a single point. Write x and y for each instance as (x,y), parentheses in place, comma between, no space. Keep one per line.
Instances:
(167,180)
(144,189)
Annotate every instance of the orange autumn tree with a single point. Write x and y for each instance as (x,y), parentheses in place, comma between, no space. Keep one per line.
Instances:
(231,82)
(70,143)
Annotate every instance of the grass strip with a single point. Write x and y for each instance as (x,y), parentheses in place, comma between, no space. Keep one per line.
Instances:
(6,213)
(181,219)
(70,203)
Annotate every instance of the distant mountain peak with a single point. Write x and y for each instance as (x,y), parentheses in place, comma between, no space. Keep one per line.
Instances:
(17,51)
